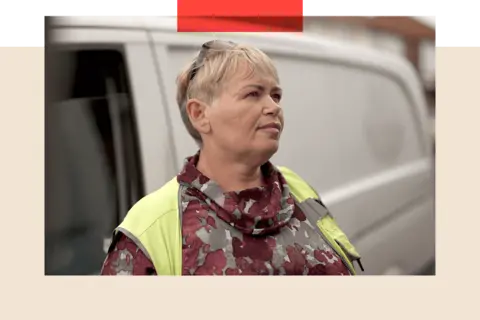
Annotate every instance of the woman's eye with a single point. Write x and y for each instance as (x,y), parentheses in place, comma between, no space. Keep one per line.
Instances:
(277,97)
(255,94)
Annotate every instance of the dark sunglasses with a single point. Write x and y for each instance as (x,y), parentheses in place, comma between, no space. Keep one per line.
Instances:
(214,45)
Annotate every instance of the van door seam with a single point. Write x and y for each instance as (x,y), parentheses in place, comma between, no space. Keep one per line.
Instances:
(164,99)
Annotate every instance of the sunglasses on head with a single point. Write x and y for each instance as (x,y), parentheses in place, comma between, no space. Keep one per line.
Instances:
(214,45)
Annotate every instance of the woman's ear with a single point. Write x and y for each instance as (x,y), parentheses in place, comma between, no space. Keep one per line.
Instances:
(197,112)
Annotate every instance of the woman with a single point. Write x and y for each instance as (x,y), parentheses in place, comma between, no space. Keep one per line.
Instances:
(230,211)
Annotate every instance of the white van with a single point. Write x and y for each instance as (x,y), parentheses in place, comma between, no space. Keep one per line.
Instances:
(356,128)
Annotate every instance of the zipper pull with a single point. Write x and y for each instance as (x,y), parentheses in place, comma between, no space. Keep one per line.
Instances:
(360,265)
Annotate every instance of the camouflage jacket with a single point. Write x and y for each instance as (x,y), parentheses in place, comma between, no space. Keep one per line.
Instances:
(258,231)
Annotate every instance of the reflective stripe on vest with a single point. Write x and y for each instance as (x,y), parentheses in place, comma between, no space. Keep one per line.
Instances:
(154,224)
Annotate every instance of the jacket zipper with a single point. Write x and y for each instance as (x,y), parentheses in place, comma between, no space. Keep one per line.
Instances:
(351,257)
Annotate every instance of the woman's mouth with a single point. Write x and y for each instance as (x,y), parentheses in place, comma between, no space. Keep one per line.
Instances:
(272,127)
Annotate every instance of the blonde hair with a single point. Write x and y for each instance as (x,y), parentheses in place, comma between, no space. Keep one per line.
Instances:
(215,64)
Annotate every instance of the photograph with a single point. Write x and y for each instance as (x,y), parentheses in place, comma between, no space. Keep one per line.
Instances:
(184,153)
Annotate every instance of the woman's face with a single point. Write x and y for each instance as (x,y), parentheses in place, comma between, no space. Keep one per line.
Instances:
(246,117)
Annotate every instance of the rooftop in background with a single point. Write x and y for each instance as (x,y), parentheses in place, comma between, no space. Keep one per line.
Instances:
(406,26)
(428,17)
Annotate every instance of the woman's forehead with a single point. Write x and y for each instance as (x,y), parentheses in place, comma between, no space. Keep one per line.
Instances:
(249,76)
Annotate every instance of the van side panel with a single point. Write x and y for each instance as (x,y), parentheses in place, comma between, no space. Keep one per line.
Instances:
(355,135)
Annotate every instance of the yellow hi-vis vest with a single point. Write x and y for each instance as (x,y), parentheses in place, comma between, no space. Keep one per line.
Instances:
(155,224)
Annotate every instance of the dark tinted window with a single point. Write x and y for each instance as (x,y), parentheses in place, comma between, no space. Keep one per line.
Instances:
(93,169)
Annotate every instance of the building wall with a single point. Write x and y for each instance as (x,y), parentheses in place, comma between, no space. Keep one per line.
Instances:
(326,28)
(354,33)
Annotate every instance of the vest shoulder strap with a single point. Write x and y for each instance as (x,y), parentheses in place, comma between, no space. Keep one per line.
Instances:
(152,207)
(300,189)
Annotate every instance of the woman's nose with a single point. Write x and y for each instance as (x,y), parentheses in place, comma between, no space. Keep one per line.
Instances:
(271,107)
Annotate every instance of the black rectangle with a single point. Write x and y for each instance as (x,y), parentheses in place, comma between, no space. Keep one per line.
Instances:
(460,23)
(20,24)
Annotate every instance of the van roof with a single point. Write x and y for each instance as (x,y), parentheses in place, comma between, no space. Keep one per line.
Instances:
(168,25)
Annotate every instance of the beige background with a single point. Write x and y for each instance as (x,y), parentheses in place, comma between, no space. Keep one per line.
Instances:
(28,294)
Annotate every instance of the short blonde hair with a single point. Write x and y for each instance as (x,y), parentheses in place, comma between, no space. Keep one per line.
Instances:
(215,64)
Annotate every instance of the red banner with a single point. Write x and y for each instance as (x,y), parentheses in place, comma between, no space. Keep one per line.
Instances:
(239,16)
(243,8)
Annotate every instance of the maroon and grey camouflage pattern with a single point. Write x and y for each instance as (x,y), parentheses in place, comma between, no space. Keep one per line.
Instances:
(258,231)
(256,211)
(126,259)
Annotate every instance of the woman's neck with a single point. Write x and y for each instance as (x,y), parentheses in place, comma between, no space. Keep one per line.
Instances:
(228,172)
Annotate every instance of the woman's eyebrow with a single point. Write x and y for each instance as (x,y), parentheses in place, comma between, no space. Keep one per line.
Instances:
(261,87)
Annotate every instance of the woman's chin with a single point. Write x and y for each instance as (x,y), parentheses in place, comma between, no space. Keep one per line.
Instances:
(269,147)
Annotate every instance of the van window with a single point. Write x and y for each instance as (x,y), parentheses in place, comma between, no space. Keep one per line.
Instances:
(92,159)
